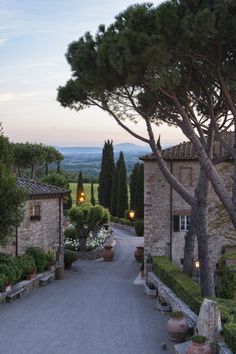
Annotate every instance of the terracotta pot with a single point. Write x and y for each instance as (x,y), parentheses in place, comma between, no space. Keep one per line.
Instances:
(108,253)
(199,348)
(139,253)
(177,329)
(31,276)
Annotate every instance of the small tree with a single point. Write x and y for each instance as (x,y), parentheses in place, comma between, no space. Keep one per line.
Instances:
(92,200)
(87,218)
(140,193)
(113,207)
(80,188)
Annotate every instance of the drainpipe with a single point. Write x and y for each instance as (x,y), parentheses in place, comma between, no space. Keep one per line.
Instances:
(171,217)
(16,241)
(60,252)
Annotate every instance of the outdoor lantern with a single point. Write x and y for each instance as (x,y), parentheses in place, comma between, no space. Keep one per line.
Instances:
(132,214)
(197,264)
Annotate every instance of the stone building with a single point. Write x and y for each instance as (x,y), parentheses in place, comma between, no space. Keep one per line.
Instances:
(167,215)
(43,218)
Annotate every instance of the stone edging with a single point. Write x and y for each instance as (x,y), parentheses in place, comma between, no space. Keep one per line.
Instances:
(95,254)
(178,305)
(26,285)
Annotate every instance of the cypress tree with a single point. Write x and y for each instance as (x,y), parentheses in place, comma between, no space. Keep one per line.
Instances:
(80,188)
(113,207)
(133,187)
(106,175)
(92,200)
(122,191)
(140,193)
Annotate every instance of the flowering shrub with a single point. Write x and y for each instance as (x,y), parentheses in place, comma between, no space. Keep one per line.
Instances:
(93,241)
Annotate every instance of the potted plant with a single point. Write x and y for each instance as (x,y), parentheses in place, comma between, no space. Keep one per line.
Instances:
(177,326)
(142,269)
(50,255)
(139,253)
(69,258)
(108,253)
(149,289)
(199,345)
(162,305)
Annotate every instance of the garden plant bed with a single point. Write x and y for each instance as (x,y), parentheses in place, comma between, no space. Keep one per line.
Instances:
(24,287)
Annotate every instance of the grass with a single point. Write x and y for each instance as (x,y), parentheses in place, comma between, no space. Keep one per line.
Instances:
(87,191)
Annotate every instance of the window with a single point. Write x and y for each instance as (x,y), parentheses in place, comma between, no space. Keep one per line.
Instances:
(34,211)
(181,222)
(184,222)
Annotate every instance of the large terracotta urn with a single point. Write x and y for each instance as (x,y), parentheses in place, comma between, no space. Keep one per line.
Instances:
(177,327)
(108,253)
(199,348)
(139,253)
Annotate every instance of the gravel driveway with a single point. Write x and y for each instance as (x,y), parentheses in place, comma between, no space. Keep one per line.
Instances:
(95,310)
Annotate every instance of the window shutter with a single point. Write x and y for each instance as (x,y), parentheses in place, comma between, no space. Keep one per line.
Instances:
(176,225)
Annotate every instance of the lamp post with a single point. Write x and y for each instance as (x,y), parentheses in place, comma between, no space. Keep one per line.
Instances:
(131,215)
(197,266)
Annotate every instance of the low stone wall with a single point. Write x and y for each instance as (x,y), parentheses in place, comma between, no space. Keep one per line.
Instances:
(176,303)
(26,285)
(95,254)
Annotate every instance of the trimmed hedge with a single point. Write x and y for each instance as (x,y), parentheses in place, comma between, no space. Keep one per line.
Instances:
(182,285)
(229,333)
(139,227)
(121,221)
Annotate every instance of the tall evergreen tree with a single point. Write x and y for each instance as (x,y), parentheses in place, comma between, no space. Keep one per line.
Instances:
(92,200)
(106,175)
(140,192)
(122,191)
(133,187)
(113,207)
(80,188)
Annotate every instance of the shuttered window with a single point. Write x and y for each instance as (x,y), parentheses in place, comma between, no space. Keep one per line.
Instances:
(181,222)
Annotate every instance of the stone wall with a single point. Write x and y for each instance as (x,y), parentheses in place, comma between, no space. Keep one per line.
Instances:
(43,233)
(157,210)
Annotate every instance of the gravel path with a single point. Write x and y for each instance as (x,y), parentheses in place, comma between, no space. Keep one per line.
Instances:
(95,310)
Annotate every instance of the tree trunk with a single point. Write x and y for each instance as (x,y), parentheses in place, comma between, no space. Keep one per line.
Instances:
(189,248)
(46,169)
(200,212)
(82,244)
(58,167)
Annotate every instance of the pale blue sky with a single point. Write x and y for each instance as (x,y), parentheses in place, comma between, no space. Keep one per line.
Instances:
(34,36)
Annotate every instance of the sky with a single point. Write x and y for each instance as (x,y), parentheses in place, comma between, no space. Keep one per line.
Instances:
(34,36)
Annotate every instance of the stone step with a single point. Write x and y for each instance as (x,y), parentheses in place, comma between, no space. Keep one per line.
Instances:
(47,279)
(15,294)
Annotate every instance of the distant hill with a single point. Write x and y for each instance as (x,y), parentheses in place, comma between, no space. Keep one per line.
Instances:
(88,159)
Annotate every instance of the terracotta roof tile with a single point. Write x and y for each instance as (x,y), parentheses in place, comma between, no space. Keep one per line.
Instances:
(185,151)
(34,188)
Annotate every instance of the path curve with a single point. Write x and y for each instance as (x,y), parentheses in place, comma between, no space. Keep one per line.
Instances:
(95,310)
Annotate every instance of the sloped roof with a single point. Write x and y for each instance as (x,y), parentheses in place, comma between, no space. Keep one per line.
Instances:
(185,150)
(36,188)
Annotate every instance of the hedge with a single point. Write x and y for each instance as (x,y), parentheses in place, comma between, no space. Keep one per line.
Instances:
(121,221)
(189,291)
(182,285)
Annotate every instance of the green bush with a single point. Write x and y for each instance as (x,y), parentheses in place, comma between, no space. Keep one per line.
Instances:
(183,286)
(69,258)
(27,264)
(10,267)
(39,256)
(139,227)
(3,281)
(70,232)
(229,333)
(121,221)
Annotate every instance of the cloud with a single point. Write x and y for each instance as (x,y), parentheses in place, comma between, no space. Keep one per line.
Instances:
(3,41)
(25,96)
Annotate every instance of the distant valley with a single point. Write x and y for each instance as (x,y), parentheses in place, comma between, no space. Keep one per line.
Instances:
(88,159)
